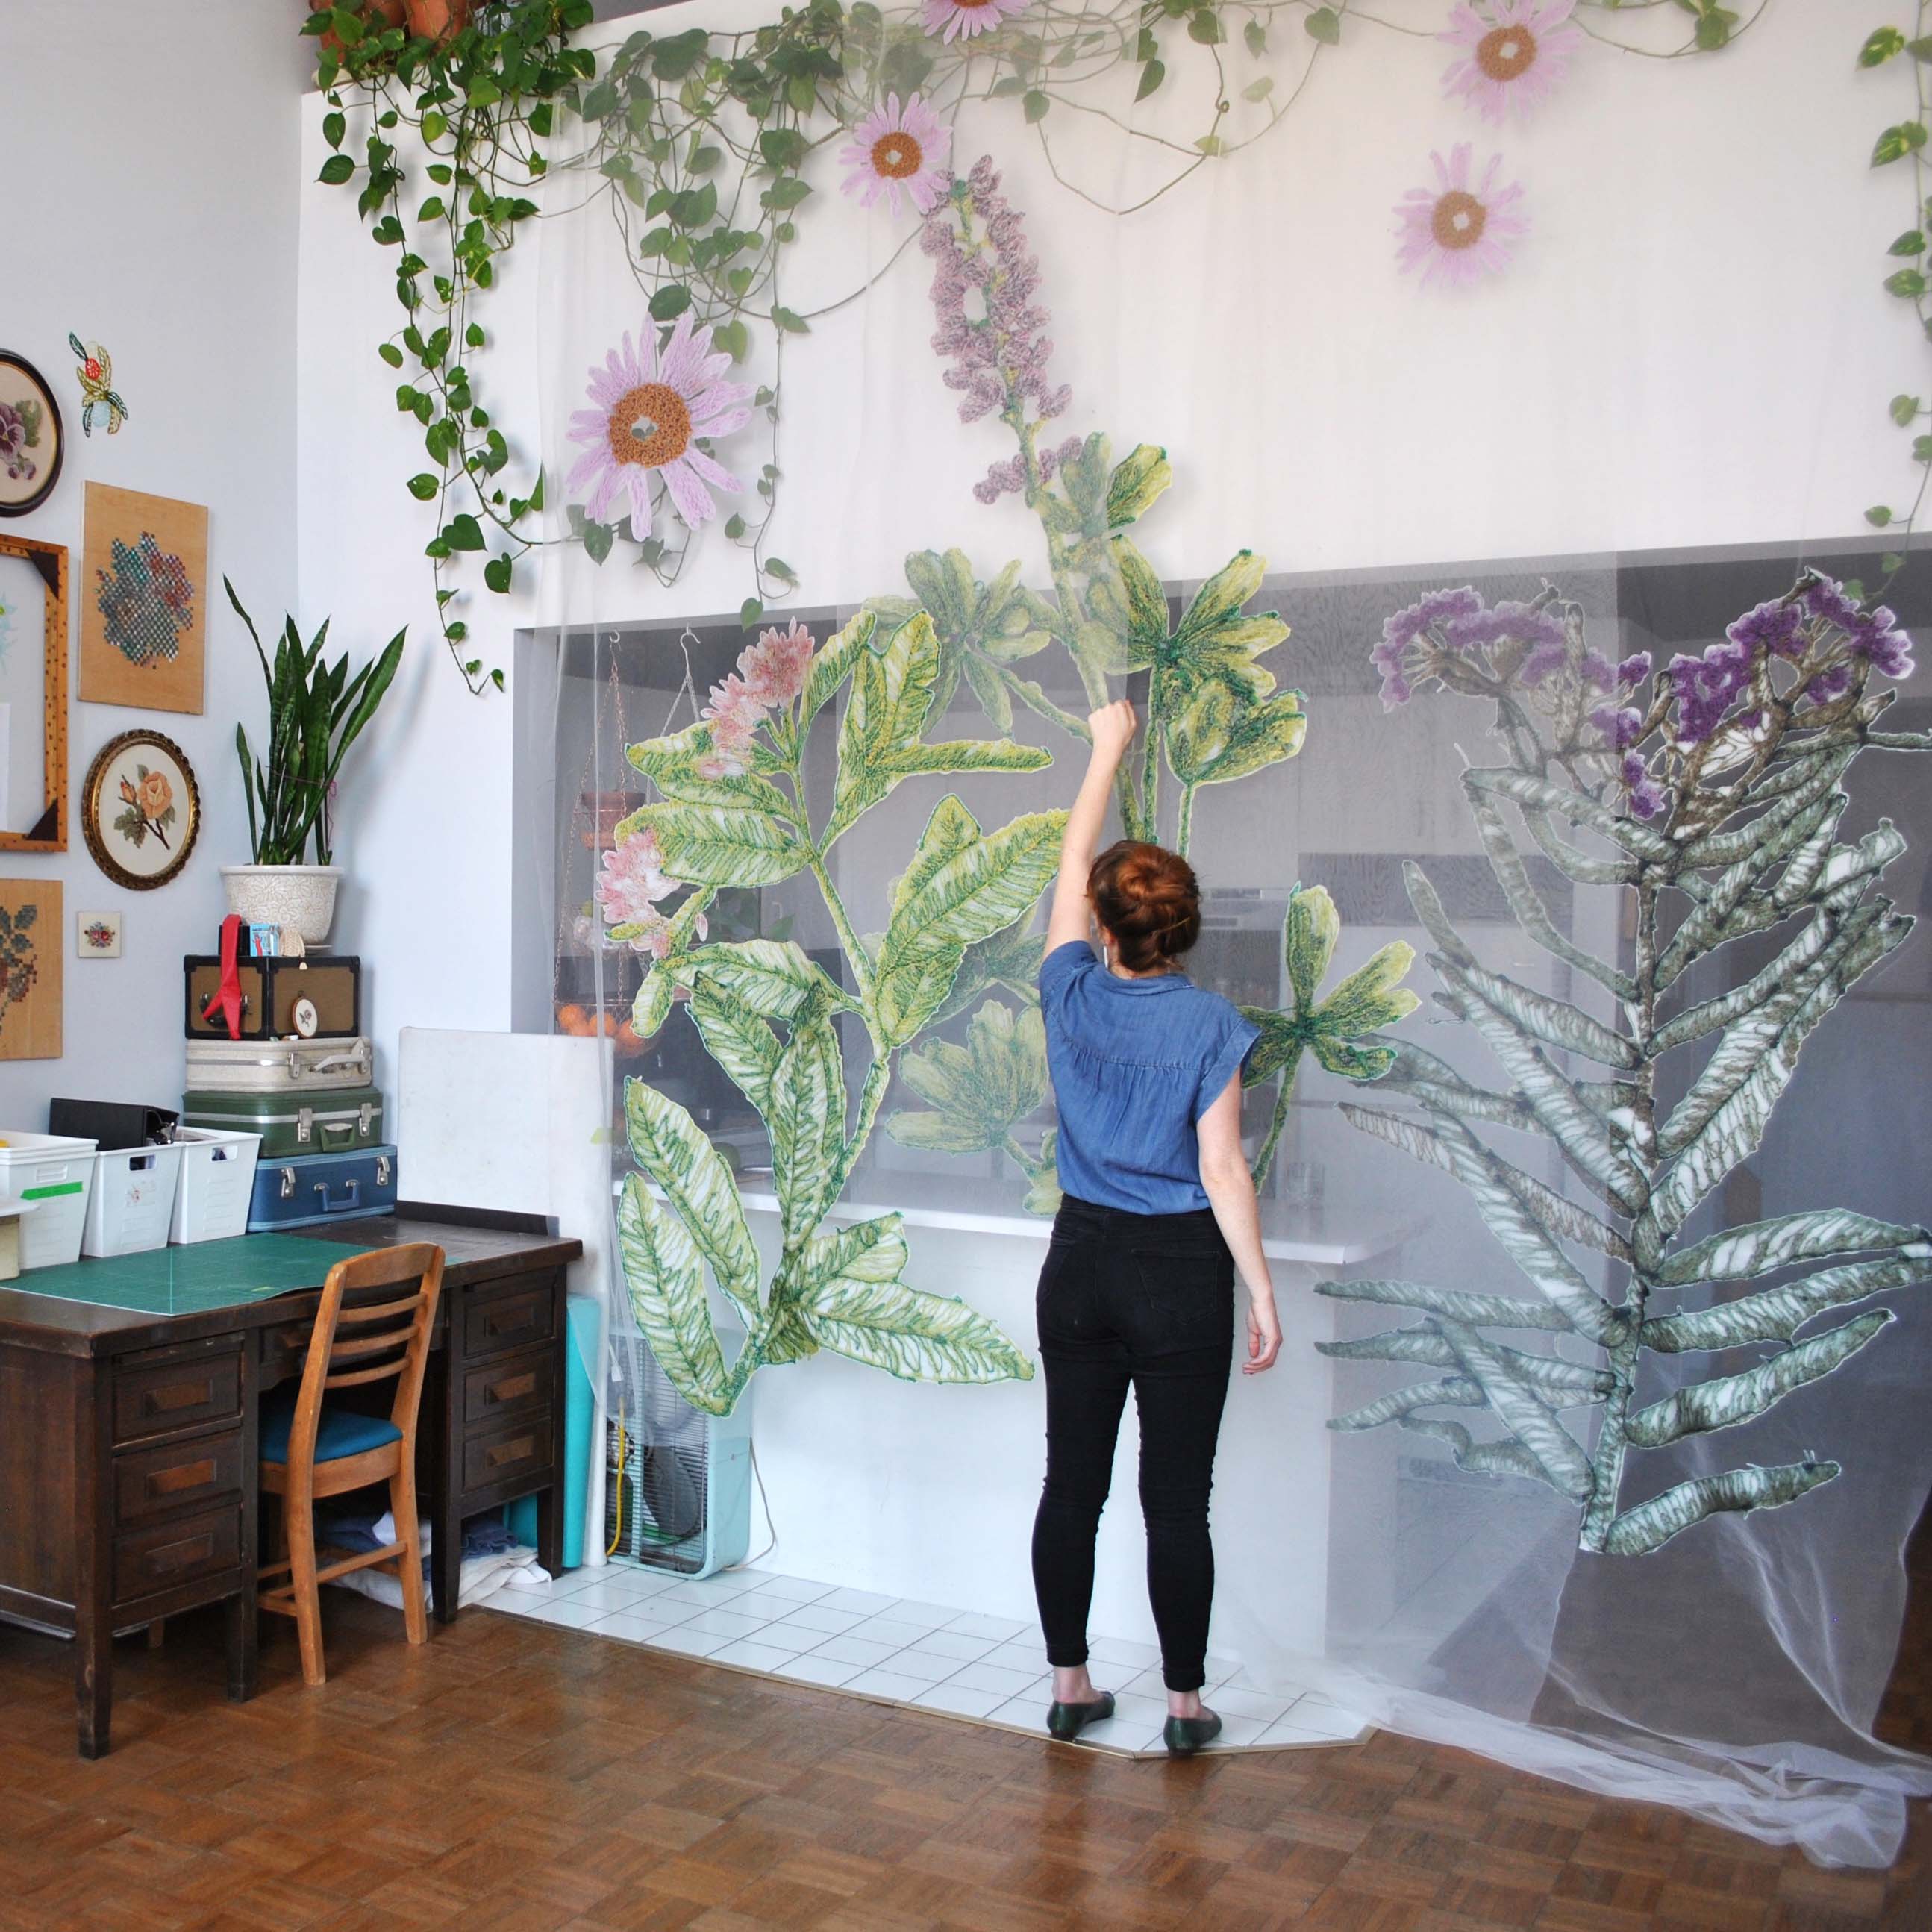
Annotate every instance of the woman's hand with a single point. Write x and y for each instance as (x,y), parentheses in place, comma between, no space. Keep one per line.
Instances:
(1264,1336)
(1113,726)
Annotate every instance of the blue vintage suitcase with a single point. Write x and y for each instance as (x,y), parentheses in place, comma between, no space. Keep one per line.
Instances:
(322,1187)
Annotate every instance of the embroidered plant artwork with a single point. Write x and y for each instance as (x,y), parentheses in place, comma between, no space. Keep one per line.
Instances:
(19,437)
(147,806)
(95,374)
(147,601)
(772,1018)
(1513,53)
(736,810)
(100,935)
(656,414)
(1709,794)
(1463,228)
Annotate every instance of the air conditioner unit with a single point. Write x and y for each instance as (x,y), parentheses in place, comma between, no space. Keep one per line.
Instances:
(677,1491)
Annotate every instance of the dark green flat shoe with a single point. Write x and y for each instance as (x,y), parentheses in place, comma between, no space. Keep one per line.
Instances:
(1066,1721)
(1184,1736)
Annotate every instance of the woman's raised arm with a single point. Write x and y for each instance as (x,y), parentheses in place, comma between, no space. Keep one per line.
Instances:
(1113,726)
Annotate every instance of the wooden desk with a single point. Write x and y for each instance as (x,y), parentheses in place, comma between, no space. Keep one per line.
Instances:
(129,1437)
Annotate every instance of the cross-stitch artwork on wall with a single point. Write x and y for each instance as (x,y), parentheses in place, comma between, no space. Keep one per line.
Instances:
(31,441)
(30,969)
(143,605)
(97,935)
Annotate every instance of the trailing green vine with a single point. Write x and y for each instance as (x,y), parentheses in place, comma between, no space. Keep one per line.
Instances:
(1904,141)
(697,144)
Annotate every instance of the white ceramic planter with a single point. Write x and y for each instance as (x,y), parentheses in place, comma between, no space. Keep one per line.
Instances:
(302,896)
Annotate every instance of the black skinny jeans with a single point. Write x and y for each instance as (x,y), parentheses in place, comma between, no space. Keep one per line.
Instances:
(1149,1300)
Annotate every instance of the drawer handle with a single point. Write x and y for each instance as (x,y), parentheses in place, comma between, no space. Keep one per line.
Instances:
(518,1451)
(180,1555)
(179,1395)
(182,1476)
(511,1388)
(509,1324)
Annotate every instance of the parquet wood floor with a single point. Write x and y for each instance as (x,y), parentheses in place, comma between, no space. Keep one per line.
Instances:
(514,1777)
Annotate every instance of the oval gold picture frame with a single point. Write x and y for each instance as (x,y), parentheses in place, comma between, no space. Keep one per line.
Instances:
(140,819)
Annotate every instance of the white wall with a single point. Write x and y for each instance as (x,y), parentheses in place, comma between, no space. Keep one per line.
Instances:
(1690,349)
(152,208)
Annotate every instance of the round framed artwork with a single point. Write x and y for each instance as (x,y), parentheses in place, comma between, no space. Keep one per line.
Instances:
(140,809)
(32,439)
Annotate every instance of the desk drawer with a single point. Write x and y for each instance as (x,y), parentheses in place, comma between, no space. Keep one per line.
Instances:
(516,1452)
(178,1474)
(154,1398)
(170,1554)
(509,1318)
(519,1386)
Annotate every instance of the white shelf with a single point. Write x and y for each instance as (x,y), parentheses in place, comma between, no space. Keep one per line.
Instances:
(931,1200)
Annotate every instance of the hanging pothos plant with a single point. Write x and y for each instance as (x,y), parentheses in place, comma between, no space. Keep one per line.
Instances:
(699,145)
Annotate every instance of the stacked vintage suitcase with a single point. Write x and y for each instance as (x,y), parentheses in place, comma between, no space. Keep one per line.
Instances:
(300,1074)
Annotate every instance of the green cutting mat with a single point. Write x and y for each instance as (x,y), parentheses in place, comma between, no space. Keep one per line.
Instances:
(191,1280)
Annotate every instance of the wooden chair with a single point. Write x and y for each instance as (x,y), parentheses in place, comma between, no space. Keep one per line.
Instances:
(311,1447)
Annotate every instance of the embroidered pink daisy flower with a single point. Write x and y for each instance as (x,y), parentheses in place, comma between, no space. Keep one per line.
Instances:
(774,668)
(960,19)
(1512,58)
(896,149)
(1457,232)
(651,407)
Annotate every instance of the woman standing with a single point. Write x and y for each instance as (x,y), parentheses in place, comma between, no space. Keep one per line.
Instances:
(1159,1211)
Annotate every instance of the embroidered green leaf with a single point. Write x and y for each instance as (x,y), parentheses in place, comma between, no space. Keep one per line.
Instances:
(1651,1525)
(769,976)
(1137,483)
(1727,1400)
(978,1091)
(721,844)
(1308,938)
(739,1040)
(669,1145)
(1821,1233)
(807,1119)
(665,1280)
(915,1336)
(1776,1314)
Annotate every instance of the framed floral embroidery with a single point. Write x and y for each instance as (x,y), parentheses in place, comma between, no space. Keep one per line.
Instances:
(140,809)
(143,601)
(31,440)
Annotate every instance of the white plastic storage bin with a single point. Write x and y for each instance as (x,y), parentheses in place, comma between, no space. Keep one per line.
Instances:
(55,1171)
(218,1176)
(133,1200)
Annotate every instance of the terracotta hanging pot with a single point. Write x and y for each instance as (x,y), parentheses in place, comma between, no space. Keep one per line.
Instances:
(437,19)
(377,13)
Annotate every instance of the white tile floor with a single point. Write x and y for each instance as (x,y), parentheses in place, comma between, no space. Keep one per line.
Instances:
(985,1669)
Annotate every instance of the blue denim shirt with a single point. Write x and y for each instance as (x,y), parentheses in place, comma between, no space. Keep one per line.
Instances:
(1136,1064)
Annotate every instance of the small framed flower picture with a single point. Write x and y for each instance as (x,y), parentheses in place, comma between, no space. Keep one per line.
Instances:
(97,935)
(140,809)
(31,440)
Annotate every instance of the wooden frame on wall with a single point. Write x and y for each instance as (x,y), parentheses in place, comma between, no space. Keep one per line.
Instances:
(48,833)
(155,806)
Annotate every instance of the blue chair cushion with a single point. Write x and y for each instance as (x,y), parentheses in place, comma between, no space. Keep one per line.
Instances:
(340,1432)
